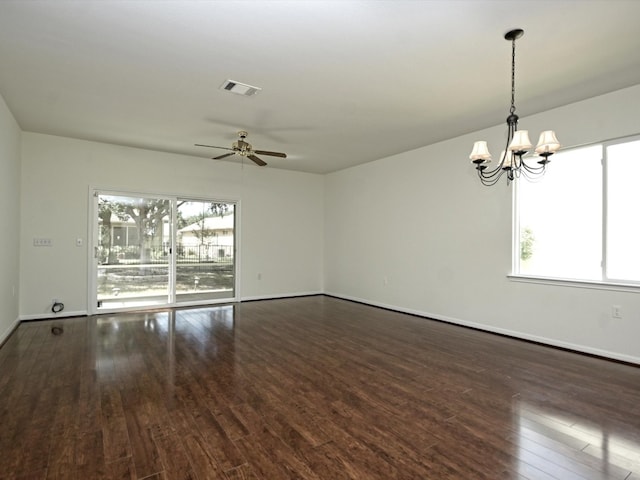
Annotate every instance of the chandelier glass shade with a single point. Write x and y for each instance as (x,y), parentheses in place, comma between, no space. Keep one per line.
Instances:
(512,159)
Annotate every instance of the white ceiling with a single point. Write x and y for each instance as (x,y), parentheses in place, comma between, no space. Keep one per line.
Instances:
(344,82)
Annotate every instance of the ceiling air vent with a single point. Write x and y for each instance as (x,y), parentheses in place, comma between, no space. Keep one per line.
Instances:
(239,88)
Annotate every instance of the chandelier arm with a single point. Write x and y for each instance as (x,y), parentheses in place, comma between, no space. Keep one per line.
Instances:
(512,126)
(491,176)
(490,181)
(484,173)
(516,162)
(532,169)
(532,172)
(495,174)
(532,177)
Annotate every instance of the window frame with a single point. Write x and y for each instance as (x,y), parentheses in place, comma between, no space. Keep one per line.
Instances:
(605,283)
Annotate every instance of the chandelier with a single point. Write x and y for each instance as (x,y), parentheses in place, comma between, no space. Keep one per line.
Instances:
(512,159)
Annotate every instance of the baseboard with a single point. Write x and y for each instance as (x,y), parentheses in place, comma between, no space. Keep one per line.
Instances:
(84,313)
(52,316)
(500,331)
(5,335)
(277,296)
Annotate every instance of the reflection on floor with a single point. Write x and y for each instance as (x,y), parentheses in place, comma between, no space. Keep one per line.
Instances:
(138,301)
(306,388)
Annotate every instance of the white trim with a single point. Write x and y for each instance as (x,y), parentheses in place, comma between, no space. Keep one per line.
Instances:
(52,316)
(165,306)
(173,267)
(566,282)
(204,303)
(501,331)
(92,242)
(515,226)
(276,296)
(237,251)
(604,221)
(4,336)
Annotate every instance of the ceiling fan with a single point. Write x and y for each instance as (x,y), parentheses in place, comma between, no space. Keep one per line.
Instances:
(244,149)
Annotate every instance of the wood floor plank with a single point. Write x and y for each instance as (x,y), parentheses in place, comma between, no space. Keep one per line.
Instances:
(174,458)
(115,436)
(573,451)
(273,458)
(231,424)
(144,451)
(307,388)
(37,475)
(201,460)
(121,469)
(571,461)
(329,461)
(226,451)
(243,472)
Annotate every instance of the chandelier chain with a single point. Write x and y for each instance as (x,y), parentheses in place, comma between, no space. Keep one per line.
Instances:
(513,76)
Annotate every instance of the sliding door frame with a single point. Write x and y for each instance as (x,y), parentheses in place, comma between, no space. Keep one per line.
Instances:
(93,236)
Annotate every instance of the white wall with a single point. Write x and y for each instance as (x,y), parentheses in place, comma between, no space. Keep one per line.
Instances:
(9,220)
(281,214)
(417,232)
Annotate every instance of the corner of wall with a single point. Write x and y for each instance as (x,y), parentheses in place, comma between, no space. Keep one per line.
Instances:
(10,164)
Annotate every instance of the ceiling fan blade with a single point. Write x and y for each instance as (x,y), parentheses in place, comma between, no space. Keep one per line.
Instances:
(224,156)
(273,154)
(257,160)
(213,146)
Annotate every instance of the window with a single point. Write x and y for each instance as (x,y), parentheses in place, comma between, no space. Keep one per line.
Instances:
(579,221)
(623,224)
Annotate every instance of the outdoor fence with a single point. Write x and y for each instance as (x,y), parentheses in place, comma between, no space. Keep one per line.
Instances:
(132,254)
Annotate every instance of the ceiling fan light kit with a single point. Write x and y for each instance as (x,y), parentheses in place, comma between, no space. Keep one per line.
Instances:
(512,161)
(244,149)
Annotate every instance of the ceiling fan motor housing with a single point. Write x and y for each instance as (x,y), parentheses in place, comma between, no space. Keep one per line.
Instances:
(240,147)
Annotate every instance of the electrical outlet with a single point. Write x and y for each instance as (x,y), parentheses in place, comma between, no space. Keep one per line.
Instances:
(616,311)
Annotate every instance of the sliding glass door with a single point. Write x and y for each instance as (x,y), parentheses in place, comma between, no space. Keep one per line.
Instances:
(205,251)
(158,251)
(132,251)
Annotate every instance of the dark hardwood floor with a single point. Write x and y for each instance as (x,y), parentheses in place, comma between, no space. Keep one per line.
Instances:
(306,388)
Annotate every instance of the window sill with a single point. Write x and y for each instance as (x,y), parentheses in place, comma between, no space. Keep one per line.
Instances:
(565,282)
